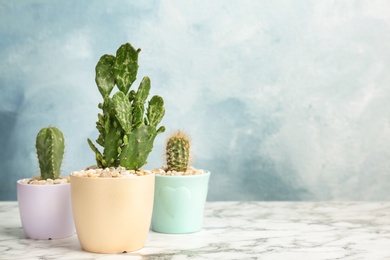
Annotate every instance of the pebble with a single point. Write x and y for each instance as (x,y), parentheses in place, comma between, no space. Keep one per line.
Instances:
(166,172)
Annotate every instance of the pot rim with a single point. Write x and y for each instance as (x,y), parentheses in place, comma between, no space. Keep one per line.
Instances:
(185,176)
(39,185)
(113,178)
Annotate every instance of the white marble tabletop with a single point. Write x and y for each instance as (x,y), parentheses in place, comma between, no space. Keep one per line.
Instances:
(237,230)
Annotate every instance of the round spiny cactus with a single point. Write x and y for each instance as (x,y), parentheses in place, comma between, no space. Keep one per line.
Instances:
(178,152)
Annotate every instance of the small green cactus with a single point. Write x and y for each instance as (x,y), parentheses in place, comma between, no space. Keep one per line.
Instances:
(126,135)
(178,152)
(50,150)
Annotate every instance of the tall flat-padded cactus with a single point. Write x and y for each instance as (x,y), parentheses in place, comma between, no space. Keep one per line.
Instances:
(50,148)
(126,132)
(178,152)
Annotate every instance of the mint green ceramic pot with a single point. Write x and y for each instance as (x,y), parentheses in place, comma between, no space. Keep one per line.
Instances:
(179,203)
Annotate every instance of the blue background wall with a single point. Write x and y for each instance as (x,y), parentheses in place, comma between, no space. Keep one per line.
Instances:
(284,100)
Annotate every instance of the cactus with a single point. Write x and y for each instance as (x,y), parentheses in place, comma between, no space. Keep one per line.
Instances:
(178,152)
(126,132)
(50,150)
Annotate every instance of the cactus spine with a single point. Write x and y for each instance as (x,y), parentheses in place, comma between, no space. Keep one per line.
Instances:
(178,152)
(50,151)
(126,132)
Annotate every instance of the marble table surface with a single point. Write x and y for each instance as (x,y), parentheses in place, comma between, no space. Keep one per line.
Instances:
(237,230)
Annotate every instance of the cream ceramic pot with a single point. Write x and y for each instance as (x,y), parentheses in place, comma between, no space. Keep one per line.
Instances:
(112,215)
(45,210)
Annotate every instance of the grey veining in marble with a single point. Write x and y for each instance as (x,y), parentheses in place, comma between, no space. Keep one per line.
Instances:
(238,230)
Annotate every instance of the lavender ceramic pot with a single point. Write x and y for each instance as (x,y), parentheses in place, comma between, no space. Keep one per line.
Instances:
(45,210)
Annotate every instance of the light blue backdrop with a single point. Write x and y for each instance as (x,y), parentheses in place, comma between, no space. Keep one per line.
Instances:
(284,100)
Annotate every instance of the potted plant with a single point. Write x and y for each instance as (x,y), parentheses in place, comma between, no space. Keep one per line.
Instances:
(180,190)
(44,201)
(113,201)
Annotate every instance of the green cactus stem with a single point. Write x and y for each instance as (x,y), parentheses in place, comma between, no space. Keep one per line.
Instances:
(178,152)
(126,132)
(122,107)
(137,146)
(50,151)
(126,67)
(105,79)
